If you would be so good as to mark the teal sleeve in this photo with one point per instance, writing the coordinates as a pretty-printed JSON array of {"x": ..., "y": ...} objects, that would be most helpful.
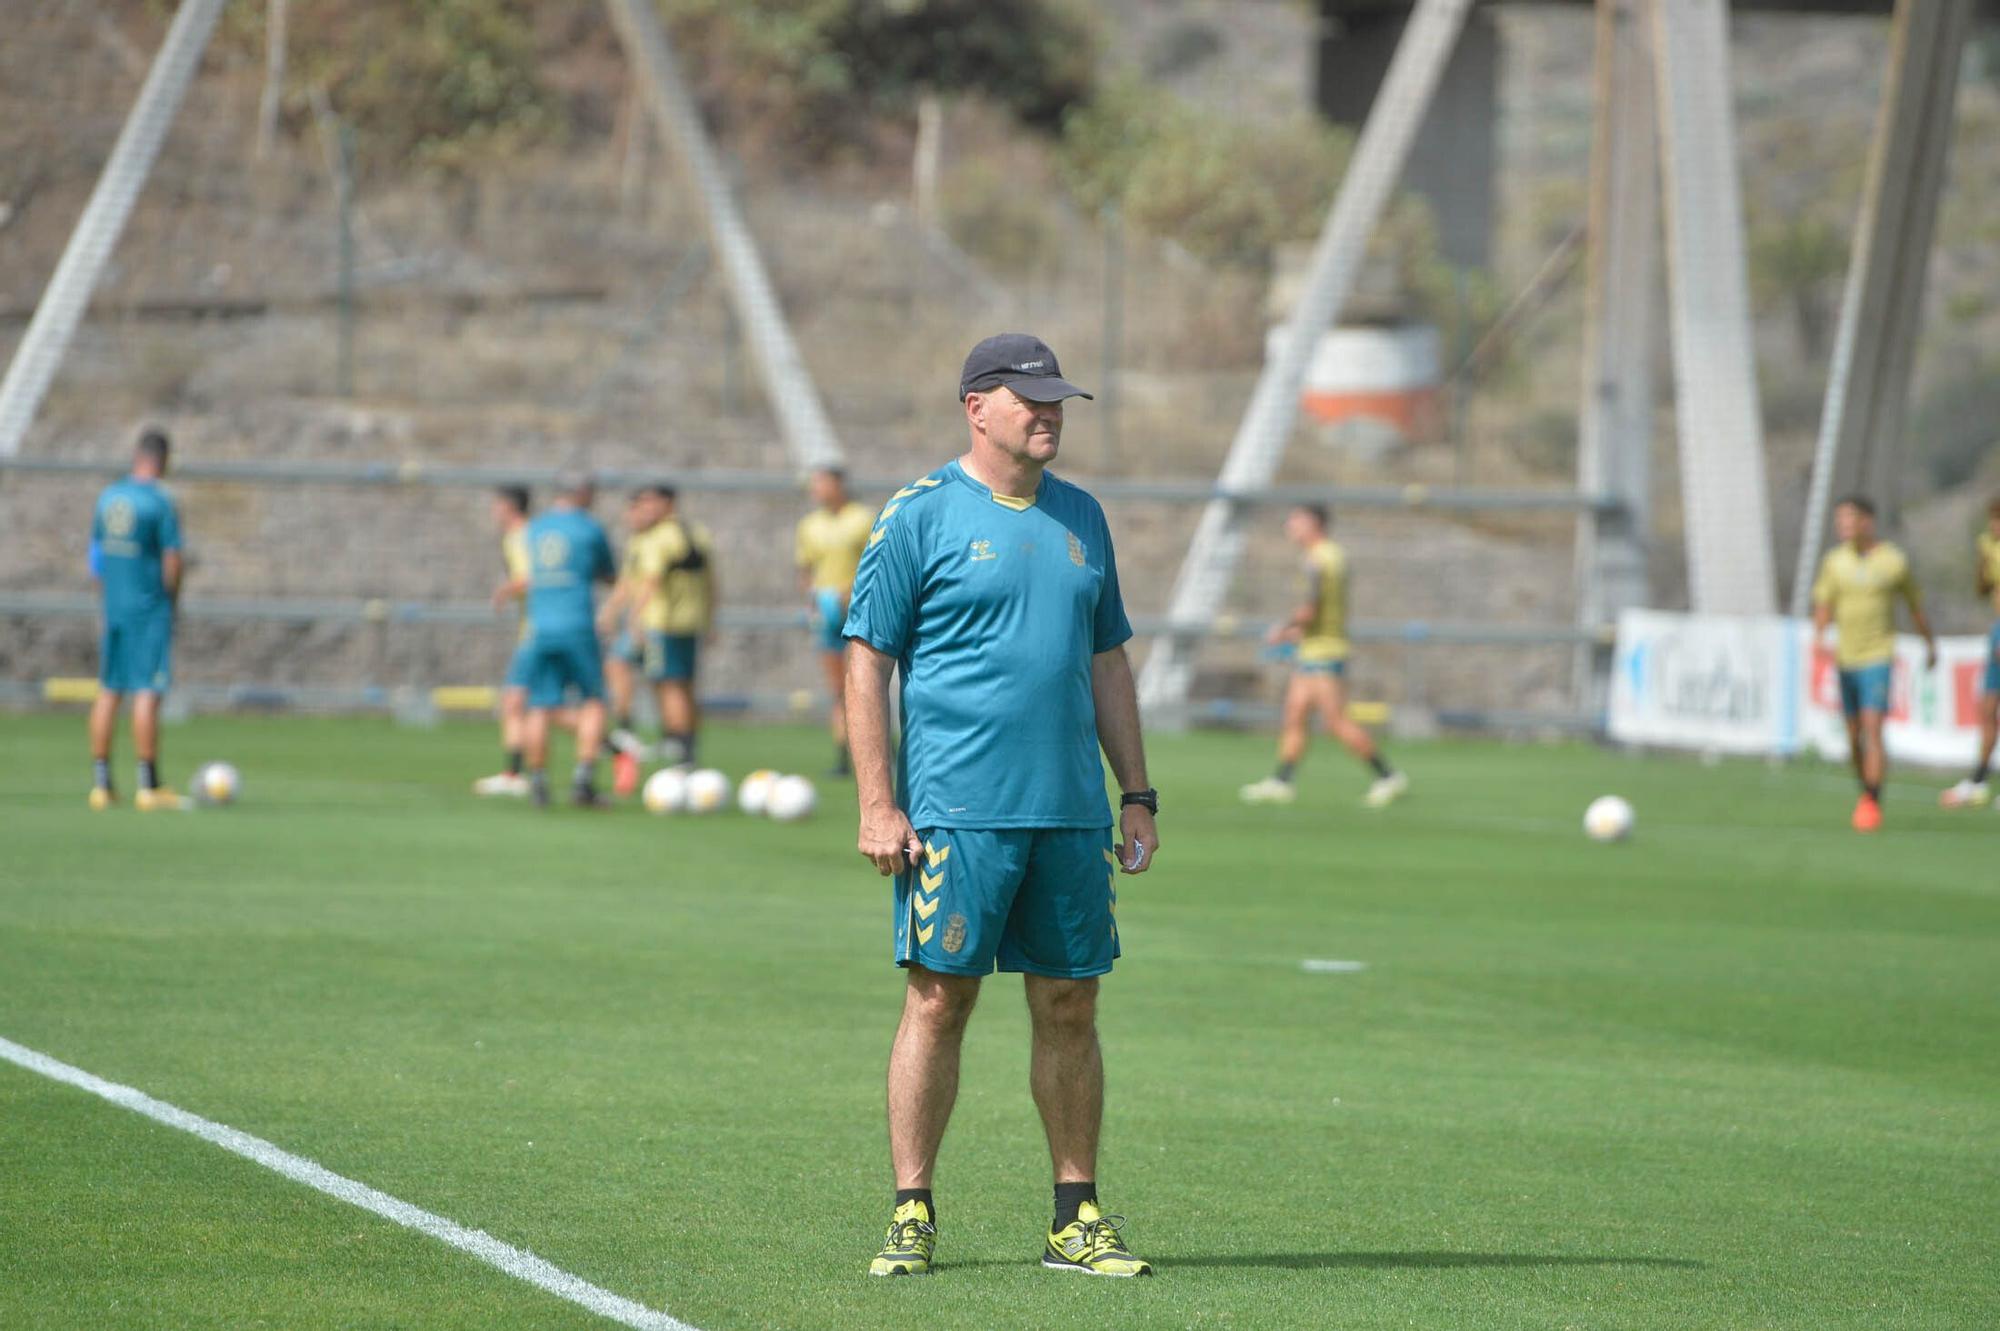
[
  {"x": 1110, "y": 627},
  {"x": 882, "y": 608},
  {"x": 170, "y": 526}
]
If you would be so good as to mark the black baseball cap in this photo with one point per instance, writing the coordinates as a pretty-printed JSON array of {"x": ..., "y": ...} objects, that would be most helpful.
[{"x": 1020, "y": 361}]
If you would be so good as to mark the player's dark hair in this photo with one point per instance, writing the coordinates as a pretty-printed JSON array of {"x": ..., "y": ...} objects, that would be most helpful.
[
  {"x": 1993, "y": 507},
  {"x": 1319, "y": 513},
  {"x": 154, "y": 446},
  {"x": 662, "y": 489},
  {"x": 516, "y": 497},
  {"x": 1859, "y": 503},
  {"x": 839, "y": 474}
]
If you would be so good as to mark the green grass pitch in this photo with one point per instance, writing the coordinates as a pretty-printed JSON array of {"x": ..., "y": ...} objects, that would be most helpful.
[{"x": 1741, "y": 1072}]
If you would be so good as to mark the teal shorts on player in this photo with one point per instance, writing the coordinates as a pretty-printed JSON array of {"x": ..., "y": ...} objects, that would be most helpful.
[
  {"x": 1039, "y": 900},
  {"x": 671, "y": 657},
  {"x": 1338, "y": 669},
  {"x": 520, "y": 666},
  {"x": 627, "y": 648},
  {"x": 1991, "y": 684},
  {"x": 1865, "y": 689},
  {"x": 136, "y": 654},
  {"x": 828, "y": 619},
  {"x": 562, "y": 669}
]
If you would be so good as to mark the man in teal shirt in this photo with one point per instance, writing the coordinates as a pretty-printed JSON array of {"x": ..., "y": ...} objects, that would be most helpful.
[
  {"x": 992, "y": 588},
  {"x": 568, "y": 555},
  {"x": 135, "y": 555}
]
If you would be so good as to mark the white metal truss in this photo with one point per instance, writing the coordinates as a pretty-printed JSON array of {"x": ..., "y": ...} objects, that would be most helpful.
[
  {"x": 62, "y": 305},
  {"x": 1261, "y": 437},
  {"x": 1725, "y": 513},
  {"x": 802, "y": 418}
]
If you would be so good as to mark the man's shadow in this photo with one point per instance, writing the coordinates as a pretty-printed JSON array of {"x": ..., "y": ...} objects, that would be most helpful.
[{"x": 1433, "y": 1260}]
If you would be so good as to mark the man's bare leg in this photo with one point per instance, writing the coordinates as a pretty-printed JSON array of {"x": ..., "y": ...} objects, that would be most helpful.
[
  {"x": 923, "y": 1069},
  {"x": 1066, "y": 1073},
  {"x": 103, "y": 729}
]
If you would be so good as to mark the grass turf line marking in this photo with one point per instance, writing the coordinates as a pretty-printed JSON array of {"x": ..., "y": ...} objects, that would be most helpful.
[
  {"x": 516, "y": 1262},
  {"x": 1327, "y": 966}
]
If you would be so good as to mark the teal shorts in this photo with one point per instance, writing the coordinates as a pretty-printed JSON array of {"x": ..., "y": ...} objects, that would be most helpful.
[
  {"x": 1865, "y": 689},
  {"x": 1039, "y": 900},
  {"x": 519, "y": 667},
  {"x": 136, "y": 654},
  {"x": 828, "y": 619},
  {"x": 626, "y": 648},
  {"x": 671, "y": 656},
  {"x": 1991, "y": 682},
  {"x": 1335, "y": 668},
  {"x": 563, "y": 667}
]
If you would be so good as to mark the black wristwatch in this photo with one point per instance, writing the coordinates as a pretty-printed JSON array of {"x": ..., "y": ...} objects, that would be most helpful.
[{"x": 1148, "y": 799}]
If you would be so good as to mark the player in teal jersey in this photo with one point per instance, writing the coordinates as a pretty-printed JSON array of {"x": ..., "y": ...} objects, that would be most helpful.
[
  {"x": 992, "y": 587},
  {"x": 568, "y": 554},
  {"x": 135, "y": 555}
]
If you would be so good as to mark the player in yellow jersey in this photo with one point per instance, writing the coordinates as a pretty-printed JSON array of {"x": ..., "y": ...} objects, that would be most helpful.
[
  {"x": 626, "y": 657},
  {"x": 667, "y": 602},
  {"x": 510, "y": 516},
  {"x": 1973, "y": 790},
  {"x": 1856, "y": 591},
  {"x": 828, "y": 550},
  {"x": 1316, "y": 634}
]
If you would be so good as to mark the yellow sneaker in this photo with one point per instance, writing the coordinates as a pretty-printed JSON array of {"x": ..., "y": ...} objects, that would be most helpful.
[
  {"x": 907, "y": 1250},
  {"x": 156, "y": 801},
  {"x": 1091, "y": 1244},
  {"x": 101, "y": 798}
]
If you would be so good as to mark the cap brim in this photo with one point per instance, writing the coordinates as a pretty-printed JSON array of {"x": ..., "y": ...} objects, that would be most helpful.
[{"x": 1044, "y": 388}]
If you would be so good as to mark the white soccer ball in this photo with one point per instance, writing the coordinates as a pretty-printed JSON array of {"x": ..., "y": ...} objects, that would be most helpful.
[
  {"x": 665, "y": 791},
  {"x": 1609, "y": 818},
  {"x": 791, "y": 798},
  {"x": 216, "y": 784},
  {"x": 707, "y": 790},
  {"x": 754, "y": 795}
]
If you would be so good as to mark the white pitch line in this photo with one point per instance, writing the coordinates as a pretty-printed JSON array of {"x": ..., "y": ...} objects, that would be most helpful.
[{"x": 516, "y": 1262}]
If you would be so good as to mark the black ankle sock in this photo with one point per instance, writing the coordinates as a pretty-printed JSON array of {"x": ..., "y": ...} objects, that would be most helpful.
[
  {"x": 1979, "y": 773},
  {"x": 100, "y": 773},
  {"x": 1873, "y": 793},
  {"x": 585, "y": 776},
  {"x": 843, "y": 762},
  {"x": 1069, "y": 1197},
  {"x": 149, "y": 775},
  {"x": 1285, "y": 771},
  {"x": 1381, "y": 766},
  {"x": 513, "y": 762},
  {"x": 918, "y": 1195}
]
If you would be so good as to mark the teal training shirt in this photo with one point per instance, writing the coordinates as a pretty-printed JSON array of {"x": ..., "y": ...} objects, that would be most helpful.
[
  {"x": 567, "y": 553},
  {"x": 134, "y": 524},
  {"x": 993, "y": 612}
]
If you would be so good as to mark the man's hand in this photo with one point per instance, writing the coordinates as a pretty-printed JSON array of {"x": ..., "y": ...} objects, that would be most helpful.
[
  {"x": 887, "y": 839},
  {"x": 1142, "y": 838}
]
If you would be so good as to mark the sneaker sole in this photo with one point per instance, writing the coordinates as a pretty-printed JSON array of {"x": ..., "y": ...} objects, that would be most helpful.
[
  {"x": 901, "y": 1272},
  {"x": 1048, "y": 1265}
]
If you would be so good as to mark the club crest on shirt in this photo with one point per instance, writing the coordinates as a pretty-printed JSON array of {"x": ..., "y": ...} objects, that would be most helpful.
[
  {"x": 954, "y": 933},
  {"x": 1075, "y": 550},
  {"x": 551, "y": 550},
  {"x": 119, "y": 518},
  {"x": 983, "y": 550}
]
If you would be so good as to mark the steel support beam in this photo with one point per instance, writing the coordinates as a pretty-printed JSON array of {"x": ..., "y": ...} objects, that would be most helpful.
[
  {"x": 1261, "y": 437},
  {"x": 1615, "y": 425},
  {"x": 1726, "y": 515},
  {"x": 1868, "y": 384},
  {"x": 802, "y": 418},
  {"x": 47, "y": 340}
]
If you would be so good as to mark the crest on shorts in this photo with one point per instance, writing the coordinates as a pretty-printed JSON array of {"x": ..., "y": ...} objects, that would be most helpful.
[
  {"x": 1075, "y": 550},
  {"x": 954, "y": 933}
]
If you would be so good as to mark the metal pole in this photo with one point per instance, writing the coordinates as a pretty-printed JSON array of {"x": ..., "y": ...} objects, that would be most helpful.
[
  {"x": 1868, "y": 383},
  {"x": 801, "y": 416},
  {"x": 1723, "y": 488},
  {"x": 343, "y": 190},
  {"x": 274, "y": 76},
  {"x": 1379, "y": 154},
  {"x": 62, "y": 305},
  {"x": 1113, "y": 223}
]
